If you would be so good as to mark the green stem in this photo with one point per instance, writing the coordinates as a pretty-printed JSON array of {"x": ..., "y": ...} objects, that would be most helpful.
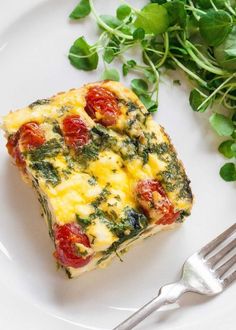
[
  {"x": 155, "y": 73},
  {"x": 213, "y": 5},
  {"x": 203, "y": 65},
  {"x": 198, "y": 52},
  {"x": 225, "y": 94},
  {"x": 194, "y": 10},
  {"x": 201, "y": 93},
  {"x": 107, "y": 27},
  {"x": 154, "y": 51},
  {"x": 189, "y": 72},
  {"x": 166, "y": 45},
  {"x": 229, "y": 96},
  {"x": 83, "y": 56},
  {"x": 208, "y": 67},
  {"x": 216, "y": 91},
  {"x": 230, "y": 9},
  {"x": 227, "y": 105}
]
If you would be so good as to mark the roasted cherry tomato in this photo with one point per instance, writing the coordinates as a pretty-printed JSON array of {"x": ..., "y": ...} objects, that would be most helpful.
[
  {"x": 28, "y": 136},
  {"x": 14, "y": 151},
  {"x": 31, "y": 136},
  {"x": 152, "y": 198},
  {"x": 75, "y": 131},
  {"x": 102, "y": 105},
  {"x": 67, "y": 251}
]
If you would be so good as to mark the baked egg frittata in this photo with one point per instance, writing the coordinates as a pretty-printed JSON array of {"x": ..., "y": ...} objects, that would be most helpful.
[{"x": 105, "y": 173}]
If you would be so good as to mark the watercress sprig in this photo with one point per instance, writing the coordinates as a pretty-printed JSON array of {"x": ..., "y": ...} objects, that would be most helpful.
[{"x": 198, "y": 37}]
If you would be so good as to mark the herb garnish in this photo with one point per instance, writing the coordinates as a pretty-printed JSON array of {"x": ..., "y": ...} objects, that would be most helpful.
[
  {"x": 198, "y": 37},
  {"x": 102, "y": 196},
  {"x": 84, "y": 223},
  {"x": 39, "y": 102},
  {"x": 50, "y": 149},
  {"x": 56, "y": 128},
  {"x": 81, "y": 10},
  {"x": 128, "y": 227},
  {"x": 87, "y": 153},
  {"x": 47, "y": 171},
  {"x": 100, "y": 140},
  {"x": 92, "y": 181}
]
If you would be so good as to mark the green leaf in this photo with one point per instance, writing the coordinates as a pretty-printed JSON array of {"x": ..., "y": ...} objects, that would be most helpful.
[
  {"x": 206, "y": 4},
  {"x": 215, "y": 26},
  {"x": 225, "y": 53},
  {"x": 233, "y": 148},
  {"x": 125, "y": 69},
  {"x": 228, "y": 148},
  {"x": 47, "y": 171},
  {"x": 149, "y": 103},
  {"x": 108, "y": 55},
  {"x": 123, "y": 11},
  {"x": 81, "y": 10},
  {"x": 196, "y": 99},
  {"x": 139, "y": 34},
  {"x": 83, "y": 222},
  {"x": 234, "y": 134},
  {"x": 111, "y": 74},
  {"x": 191, "y": 28},
  {"x": 177, "y": 12},
  {"x": 221, "y": 124},
  {"x": 128, "y": 66},
  {"x": 50, "y": 149},
  {"x": 131, "y": 63},
  {"x": 234, "y": 118},
  {"x": 160, "y": 2},
  {"x": 228, "y": 172},
  {"x": 82, "y": 56},
  {"x": 114, "y": 44},
  {"x": 139, "y": 86},
  {"x": 111, "y": 21},
  {"x": 150, "y": 76},
  {"x": 153, "y": 18}
]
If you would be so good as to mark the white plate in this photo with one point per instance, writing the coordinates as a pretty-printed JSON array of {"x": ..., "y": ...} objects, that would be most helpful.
[{"x": 34, "y": 41}]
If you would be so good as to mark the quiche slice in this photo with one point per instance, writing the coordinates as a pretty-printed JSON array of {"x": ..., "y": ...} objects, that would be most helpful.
[{"x": 105, "y": 173}]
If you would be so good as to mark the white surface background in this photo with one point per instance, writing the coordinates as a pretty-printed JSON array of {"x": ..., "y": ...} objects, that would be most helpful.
[{"x": 34, "y": 41}]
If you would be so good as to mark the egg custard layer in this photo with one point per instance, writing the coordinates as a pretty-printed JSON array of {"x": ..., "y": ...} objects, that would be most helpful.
[{"x": 105, "y": 173}]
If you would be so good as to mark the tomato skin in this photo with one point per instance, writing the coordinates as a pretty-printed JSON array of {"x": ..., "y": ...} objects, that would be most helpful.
[
  {"x": 169, "y": 218},
  {"x": 66, "y": 236},
  {"x": 14, "y": 150},
  {"x": 152, "y": 198},
  {"x": 31, "y": 136},
  {"x": 102, "y": 106},
  {"x": 28, "y": 136},
  {"x": 75, "y": 131}
]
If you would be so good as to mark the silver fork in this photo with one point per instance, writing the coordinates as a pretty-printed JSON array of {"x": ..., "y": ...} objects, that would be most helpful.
[{"x": 200, "y": 275}]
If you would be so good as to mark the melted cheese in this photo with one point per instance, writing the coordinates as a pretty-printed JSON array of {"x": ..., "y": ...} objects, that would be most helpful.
[
  {"x": 100, "y": 236},
  {"x": 71, "y": 197}
]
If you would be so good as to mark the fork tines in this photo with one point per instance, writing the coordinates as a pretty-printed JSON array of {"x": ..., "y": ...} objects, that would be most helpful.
[
  {"x": 219, "y": 255},
  {"x": 217, "y": 241}
]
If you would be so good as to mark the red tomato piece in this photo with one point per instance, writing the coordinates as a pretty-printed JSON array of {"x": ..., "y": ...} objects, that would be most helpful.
[
  {"x": 31, "y": 136},
  {"x": 12, "y": 143},
  {"x": 28, "y": 136},
  {"x": 152, "y": 198},
  {"x": 67, "y": 253},
  {"x": 75, "y": 131},
  {"x": 102, "y": 105},
  {"x": 14, "y": 151},
  {"x": 169, "y": 218}
]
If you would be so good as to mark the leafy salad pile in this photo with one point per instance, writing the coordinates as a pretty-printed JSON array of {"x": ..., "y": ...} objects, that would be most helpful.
[{"x": 196, "y": 36}]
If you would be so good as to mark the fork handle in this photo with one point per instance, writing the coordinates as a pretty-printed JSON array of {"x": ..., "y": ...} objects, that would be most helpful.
[{"x": 168, "y": 294}]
